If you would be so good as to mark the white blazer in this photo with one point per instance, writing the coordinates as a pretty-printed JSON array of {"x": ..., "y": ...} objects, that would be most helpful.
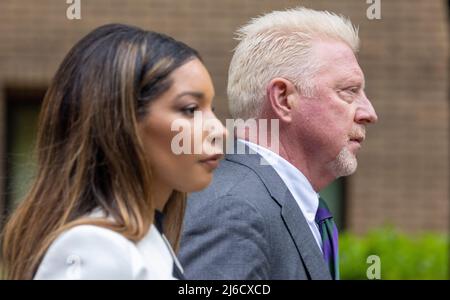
[{"x": 93, "y": 252}]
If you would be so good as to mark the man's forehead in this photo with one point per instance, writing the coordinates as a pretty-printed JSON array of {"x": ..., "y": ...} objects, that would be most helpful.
[
  {"x": 332, "y": 50},
  {"x": 352, "y": 75},
  {"x": 337, "y": 58}
]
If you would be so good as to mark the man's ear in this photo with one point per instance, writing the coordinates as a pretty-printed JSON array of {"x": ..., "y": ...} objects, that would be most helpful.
[{"x": 283, "y": 98}]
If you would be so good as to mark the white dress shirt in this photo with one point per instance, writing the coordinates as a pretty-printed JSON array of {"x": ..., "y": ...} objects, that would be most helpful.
[
  {"x": 93, "y": 252},
  {"x": 299, "y": 186}
]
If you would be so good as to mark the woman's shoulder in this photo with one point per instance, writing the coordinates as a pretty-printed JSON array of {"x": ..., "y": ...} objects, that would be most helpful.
[
  {"x": 89, "y": 252},
  {"x": 93, "y": 235}
]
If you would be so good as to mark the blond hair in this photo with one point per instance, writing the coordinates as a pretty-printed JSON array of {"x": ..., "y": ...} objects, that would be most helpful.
[{"x": 279, "y": 44}]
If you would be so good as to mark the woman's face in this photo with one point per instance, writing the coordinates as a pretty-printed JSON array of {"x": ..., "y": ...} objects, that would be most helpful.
[{"x": 182, "y": 152}]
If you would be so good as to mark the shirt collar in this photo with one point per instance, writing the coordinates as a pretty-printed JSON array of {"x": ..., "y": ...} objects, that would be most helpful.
[{"x": 299, "y": 186}]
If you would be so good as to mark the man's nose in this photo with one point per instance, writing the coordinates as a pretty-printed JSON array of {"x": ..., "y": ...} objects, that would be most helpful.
[{"x": 365, "y": 113}]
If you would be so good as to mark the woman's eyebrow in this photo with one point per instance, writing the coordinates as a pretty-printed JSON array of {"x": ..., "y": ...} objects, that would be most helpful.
[{"x": 198, "y": 95}]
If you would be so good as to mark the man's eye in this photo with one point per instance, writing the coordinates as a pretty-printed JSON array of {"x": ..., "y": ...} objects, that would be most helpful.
[
  {"x": 354, "y": 90},
  {"x": 349, "y": 91},
  {"x": 189, "y": 110},
  {"x": 348, "y": 94}
]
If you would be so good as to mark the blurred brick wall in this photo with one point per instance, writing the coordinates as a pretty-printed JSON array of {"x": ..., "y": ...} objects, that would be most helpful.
[
  {"x": 2, "y": 156},
  {"x": 403, "y": 176}
]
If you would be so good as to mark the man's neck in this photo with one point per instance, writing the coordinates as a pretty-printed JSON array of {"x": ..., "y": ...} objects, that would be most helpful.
[{"x": 317, "y": 176}]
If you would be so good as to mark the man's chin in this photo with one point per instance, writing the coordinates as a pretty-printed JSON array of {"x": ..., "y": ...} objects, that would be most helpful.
[{"x": 344, "y": 164}]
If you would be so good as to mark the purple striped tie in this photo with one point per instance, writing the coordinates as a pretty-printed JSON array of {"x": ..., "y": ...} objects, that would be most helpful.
[{"x": 329, "y": 233}]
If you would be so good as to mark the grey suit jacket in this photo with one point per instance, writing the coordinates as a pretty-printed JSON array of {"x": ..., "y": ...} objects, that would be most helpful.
[{"x": 247, "y": 225}]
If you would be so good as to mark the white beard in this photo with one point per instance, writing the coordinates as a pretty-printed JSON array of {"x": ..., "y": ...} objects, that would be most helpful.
[{"x": 344, "y": 164}]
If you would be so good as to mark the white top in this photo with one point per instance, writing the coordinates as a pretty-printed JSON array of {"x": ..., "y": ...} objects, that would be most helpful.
[
  {"x": 93, "y": 252},
  {"x": 299, "y": 186}
]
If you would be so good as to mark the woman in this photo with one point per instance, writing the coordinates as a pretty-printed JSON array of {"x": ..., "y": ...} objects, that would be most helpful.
[{"x": 107, "y": 174}]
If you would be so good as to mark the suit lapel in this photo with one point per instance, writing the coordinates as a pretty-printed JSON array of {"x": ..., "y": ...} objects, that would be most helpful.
[
  {"x": 295, "y": 222},
  {"x": 304, "y": 240}
]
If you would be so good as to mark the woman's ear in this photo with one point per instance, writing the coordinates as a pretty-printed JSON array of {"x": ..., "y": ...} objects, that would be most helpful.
[{"x": 283, "y": 98}]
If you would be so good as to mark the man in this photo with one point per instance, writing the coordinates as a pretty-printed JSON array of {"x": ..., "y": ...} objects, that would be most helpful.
[{"x": 266, "y": 221}]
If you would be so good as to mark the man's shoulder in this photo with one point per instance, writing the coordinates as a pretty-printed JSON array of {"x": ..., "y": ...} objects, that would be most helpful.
[{"x": 232, "y": 179}]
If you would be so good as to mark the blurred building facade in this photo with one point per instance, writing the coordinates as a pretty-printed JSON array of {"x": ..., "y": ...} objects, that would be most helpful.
[{"x": 403, "y": 174}]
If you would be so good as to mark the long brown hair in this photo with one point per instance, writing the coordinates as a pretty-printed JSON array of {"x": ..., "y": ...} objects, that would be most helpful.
[{"x": 89, "y": 154}]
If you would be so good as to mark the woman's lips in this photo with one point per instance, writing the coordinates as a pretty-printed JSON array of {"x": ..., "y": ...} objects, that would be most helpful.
[{"x": 212, "y": 161}]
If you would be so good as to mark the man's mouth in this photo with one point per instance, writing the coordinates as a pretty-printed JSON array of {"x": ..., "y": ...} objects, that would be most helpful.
[{"x": 357, "y": 139}]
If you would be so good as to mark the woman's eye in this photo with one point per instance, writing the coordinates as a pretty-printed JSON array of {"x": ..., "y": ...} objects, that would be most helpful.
[{"x": 189, "y": 110}]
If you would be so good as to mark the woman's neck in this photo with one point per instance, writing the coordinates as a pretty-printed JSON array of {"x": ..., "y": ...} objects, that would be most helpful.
[{"x": 161, "y": 195}]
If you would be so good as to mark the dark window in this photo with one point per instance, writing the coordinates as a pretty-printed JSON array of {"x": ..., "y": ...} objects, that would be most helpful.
[{"x": 22, "y": 110}]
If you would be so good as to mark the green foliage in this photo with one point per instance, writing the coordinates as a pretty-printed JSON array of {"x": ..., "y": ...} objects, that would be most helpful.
[{"x": 402, "y": 256}]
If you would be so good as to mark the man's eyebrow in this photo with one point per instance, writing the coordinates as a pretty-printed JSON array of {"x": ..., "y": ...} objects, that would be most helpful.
[{"x": 356, "y": 80}]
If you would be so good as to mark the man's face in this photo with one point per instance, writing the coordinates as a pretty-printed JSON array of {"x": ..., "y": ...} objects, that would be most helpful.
[{"x": 334, "y": 118}]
